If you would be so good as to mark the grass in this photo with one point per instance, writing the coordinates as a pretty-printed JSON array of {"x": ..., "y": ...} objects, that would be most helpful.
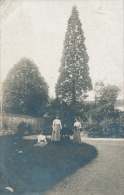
[{"x": 38, "y": 168}]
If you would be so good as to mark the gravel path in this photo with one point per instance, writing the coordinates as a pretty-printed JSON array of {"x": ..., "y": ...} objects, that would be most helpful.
[{"x": 103, "y": 176}]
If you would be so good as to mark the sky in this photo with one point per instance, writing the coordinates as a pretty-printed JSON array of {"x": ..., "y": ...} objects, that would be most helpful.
[{"x": 36, "y": 29}]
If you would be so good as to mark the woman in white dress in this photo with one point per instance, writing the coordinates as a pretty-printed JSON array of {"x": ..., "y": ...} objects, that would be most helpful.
[
  {"x": 76, "y": 135},
  {"x": 57, "y": 126}
]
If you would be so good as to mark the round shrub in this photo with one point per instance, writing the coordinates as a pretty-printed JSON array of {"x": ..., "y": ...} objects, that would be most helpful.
[
  {"x": 93, "y": 129},
  {"x": 24, "y": 128}
]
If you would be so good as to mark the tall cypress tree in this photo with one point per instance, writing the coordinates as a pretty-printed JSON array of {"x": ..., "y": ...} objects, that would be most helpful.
[{"x": 74, "y": 80}]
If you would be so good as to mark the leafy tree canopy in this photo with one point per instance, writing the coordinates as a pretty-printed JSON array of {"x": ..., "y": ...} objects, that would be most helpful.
[
  {"x": 24, "y": 90},
  {"x": 106, "y": 94}
]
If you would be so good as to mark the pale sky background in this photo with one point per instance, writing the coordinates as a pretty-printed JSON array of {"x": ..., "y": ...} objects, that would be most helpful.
[{"x": 36, "y": 29}]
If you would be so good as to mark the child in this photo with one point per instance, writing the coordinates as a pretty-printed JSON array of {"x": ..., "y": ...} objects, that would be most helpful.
[{"x": 41, "y": 138}]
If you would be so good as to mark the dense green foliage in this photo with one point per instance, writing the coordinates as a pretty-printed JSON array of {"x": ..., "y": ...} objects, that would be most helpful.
[
  {"x": 106, "y": 122},
  {"x": 106, "y": 94},
  {"x": 74, "y": 80},
  {"x": 67, "y": 114},
  {"x": 109, "y": 94},
  {"x": 23, "y": 128},
  {"x": 24, "y": 90}
]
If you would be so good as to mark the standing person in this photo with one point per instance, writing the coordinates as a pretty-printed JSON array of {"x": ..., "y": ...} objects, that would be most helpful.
[
  {"x": 76, "y": 134},
  {"x": 57, "y": 126}
]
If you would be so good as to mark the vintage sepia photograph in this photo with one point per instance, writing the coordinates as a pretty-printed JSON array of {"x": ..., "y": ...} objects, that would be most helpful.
[{"x": 61, "y": 97}]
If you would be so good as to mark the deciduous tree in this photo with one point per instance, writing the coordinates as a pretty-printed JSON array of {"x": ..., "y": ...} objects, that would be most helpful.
[
  {"x": 24, "y": 90},
  {"x": 106, "y": 94}
]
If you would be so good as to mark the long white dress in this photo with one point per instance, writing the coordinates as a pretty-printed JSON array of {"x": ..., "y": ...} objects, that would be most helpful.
[
  {"x": 57, "y": 126},
  {"x": 76, "y": 135}
]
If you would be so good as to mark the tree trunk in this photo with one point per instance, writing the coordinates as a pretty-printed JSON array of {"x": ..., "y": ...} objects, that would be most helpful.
[{"x": 73, "y": 91}]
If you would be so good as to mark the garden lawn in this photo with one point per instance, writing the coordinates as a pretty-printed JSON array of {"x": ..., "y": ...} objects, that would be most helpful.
[
  {"x": 103, "y": 176},
  {"x": 28, "y": 168}
]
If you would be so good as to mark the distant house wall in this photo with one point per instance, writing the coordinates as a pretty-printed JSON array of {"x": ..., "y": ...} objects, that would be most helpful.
[{"x": 11, "y": 121}]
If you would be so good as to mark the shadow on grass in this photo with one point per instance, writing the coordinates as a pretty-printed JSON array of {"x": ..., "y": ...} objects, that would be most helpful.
[{"x": 37, "y": 168}]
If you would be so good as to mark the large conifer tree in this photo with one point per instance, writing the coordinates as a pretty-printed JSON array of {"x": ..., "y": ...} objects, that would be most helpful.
[{"x": 74, "y": 80}]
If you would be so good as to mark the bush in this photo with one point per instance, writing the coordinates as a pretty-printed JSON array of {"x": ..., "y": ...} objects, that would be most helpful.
[
  {"x": 105, "y": 112},
  {"x": 67, "y": 113},
  {"x": 24, "y": 128},
  {"x": 93, "y": 129},
  {"x": 109, "y": 127},
  {"x": 105, "y": 120}
]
